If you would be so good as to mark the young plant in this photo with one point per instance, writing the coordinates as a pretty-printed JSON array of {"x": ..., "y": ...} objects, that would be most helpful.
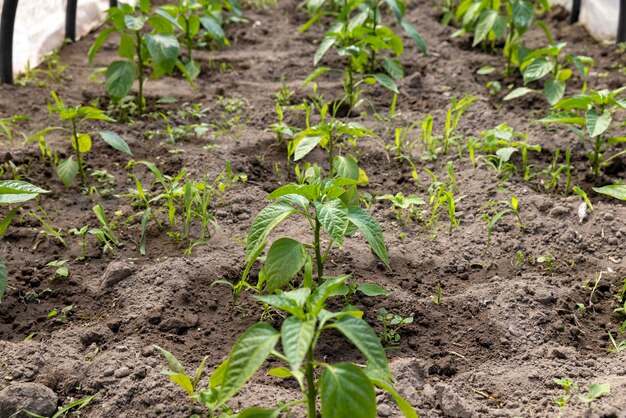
[
  {"x": 392, "y": 324},
  {"x": 495, "y": 210},
  {"x": 595, "y": 391},
  {"x": 75, "y": 117},
  {"x": 567, "y": 385},
  {"x": 8, "y": 125},
  {"x": 407, "y": 207},
  {"x": 139, "y": 51},
  {"x": 594, "y": 112},
  {"x": 329, "y": 206},
  {"x": 14, "y": 192},
  {"x": 105, "y": 235},
  {"x": 342, "y": 389}
]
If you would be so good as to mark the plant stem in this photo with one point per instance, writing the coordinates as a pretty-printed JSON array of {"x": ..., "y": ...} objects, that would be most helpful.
[
  {"x": 140, "y": 78},
  {"x": 79, "y": 158},
  {"x": 331, "y": 166},
  {"x": 595, "y": 161},
  {"x": 372, "y": 50},
  {"x": 350, "y": 86},
  {"x": 318, "y": 251},
  {"x": 310, "y": 383}
]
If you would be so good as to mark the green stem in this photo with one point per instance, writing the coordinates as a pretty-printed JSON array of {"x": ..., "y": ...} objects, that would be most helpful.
[
  {"x": 79, "y": 157},
  {"x": 318, "y": 251},
  {"x": 350, "y": 86},
  {"x": 331, "y": 166},
  {"x": 596, "y": 156},
  {"x": 372, "y": 50},
  {"x": 310, "y": 382},
  {"x": 140, "y": 77}
]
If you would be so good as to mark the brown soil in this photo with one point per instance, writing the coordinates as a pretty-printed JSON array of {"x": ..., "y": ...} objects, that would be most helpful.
[{"x": 491, "y": 348}]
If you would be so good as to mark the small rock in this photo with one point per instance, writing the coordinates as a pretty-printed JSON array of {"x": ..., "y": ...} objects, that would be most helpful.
[
  {"x": 115, "y": 273},
  {"x": 559, "y": 212},
  {"x": 33, "y": 397},
  {"x": 122, "y": 372},
  {"x": 608, "y": 217},
  {"x": 451, "y": 404},
  {"x": 178, "y": 325},
  {"x": 384, "y": 410}
]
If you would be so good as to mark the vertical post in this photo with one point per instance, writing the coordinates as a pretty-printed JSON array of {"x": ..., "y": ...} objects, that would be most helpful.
[
  {"x": 7, "y": 24},
  {"x": 575, "y": 11},
  {"x": 112, "y": 3},
  {"x": 621, "y": 25},
  {"x": 70, "y": 20}
]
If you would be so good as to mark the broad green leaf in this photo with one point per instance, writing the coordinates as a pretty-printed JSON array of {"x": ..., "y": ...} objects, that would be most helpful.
[
  {"x": 345, "y": 391},
  {"x": 213, "y": 27},
  {"x": 597, "y": 124},
  {"x": 282, "y": 302},
  {"x": 115, "y": 141},
  {"x": 371, "y": 230},
  {"x": 306, "y": 145},
  {"x": 263, "y": 223},
  {"x": 67, "y": 171},
  {"x": 217, "y": 377},
  {"x": 393, "y": 68},
  {"x": 4, "y": 278},
  {"x": 325, "y": 45},
  {"x": 386, "y": 81},
  {"x": 120, "y": 76},
  {"x": 485, "y": 70},
  {"x": 365, "y": 339},
  {"x": 484, "y": 26},
  {"x": 16, "y": 191},
  {"x": 346, "y": 167},
  {"x": 259, "y": 413},
  {"x": 163, "y": 50},
  {"x": 504, "y": 154},
  {"x": 617, "y": 191},
  {"x": 248, "y": 355},
  {"x": 100, "y": 40},
  {"x": 333, "y": 215},
  {"x": 554, "y": 91},
  {"x": 537, "y": 69},
  {"x": 84, "y": 143},
  {"x": 296, "y": 337},
  {"x": 324, "y": 291},
  {"x": 412, "y": 31},
  {"x": 193, "y": 68},
  {"x": 281, "y": 372},
  {"x": 372, "y": 289},
  {"x": 127, "y": 47},
  {"x": 134, "y": 23},
  {"x": 518, "y": 92},
  {"x": 522, "y": 14},
  {"x": 285, "y": 259},
  {"x": 598, "y": 390}
]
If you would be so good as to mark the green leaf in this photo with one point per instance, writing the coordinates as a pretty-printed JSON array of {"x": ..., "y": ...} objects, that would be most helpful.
[
  {"x": 371, "y": 230},
  {"x": 397, "y": 7},
  {"x": 385, "y": 384},
  {"x": 325, "y": 45},
  {"x": 315, "y": 74},
  {"x": 346, "y": 167},
  {"x": 566, "y": 118},
  {"x": 163, "y": 50},
  {"x": 263, "y": 223},
  {"x": 127, "y": 47},
  {"x": 4, "y": 278},
  {"x": 193, "y": 68},
  {"x": 537, "y": 69},
  {"x": 412, "y": 31},
  {"x": 6, "y": 221},
  {"x": 285, "y": 259},
  {"x": 296, "y": 337},
  {"x": 365, "y": 339},
  {"x": 554, "y": 91},
  {"x": 485, "y": 70},
  {"x": 84, "y": 143},
  {"x": 120, "y": 76},
  {"x": 597, "y": 124},
  {"x": 247, "y": 356},
  {"x": 324, "y": 291},
  {"x": 393, "y": 68},
  {"x": 386, "y": 81},
  {"x": 522, "y": 14},
  {"x": 259, "y": 413},
  {"x": 306, "y": 145},
  {"x": 484, "y": 26},
  {"x": 345, "y": 391},
  {"x": 16, "y": 191},
  {"x": 134, "y": 23},
  {"x": 213, "y": 27},
  {"x": 617, "y": 191},
  {"x": 100, "y": 40},
  {"x": 517, "y": 92},
  {"x": 333, "y": 215},
  {"x": 67, "y": 171},
  {"x": 372, "y": 289},
  {"x": 172, "y": 361},
  {"x": 115, "y": 141},
  {"x": 598, "y": 390}
]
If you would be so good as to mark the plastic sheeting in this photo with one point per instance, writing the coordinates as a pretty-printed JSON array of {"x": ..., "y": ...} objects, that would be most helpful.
[
  {"x": 40, "y": 27},
  {"x": 600, "y": 17}
]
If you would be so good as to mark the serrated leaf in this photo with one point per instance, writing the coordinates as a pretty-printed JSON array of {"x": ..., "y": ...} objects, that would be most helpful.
[
  {"x": 333, "y": 215},
  {"x": 296, "y": 337},
  {"x": 119, "y": 79},
  {"x": 371, "y": 230},
  {"x": 247, "y": 356},
  {"x": 67, "y": 171},
  {"x": 345, "y": 391},
  {"x": 285, "y": 259},
  {"x": 617, "y": 191},
  {"x": 386, "y": 81},
  {"x": 263, "y": 223},
  {"x": 517, "y": 92},
  {"x": 115, "y": 141},
  {"x": 17, "y": 191},
  {"x": 597, "y": 124},
  {"x": 365, "y": 339}
]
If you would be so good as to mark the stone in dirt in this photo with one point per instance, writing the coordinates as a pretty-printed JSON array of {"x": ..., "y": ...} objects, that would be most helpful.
[
  {"x": 451, "y": 404},
  {"x": 115, "y": 273},
  {"x": 32, "y": 397}
]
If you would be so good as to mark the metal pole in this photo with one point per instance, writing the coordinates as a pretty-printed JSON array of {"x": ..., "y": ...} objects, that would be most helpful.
[
  {"x": 70, "y": 20},
  {"x": 7, "y": 24},
  {"x": 112, "y": 3},
  {"x": 575, "y": 11},
  {"x": 621, "y": 26}
]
